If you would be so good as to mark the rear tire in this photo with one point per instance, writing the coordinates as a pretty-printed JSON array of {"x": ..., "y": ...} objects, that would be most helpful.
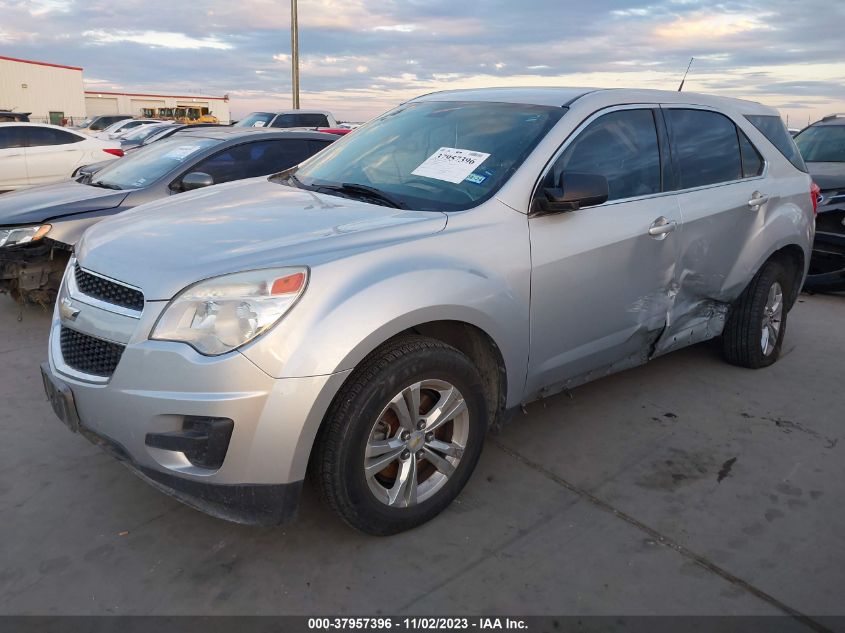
[
  {"x": 756, "y": 324},
  {"x": 402, "y": 436}
]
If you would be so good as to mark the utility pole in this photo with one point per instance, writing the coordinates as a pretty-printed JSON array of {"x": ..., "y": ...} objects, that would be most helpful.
[{"x": 294, "y": 54}]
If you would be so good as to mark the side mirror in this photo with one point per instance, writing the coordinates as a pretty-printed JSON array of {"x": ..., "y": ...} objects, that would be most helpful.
[
  {"x": 196, "y": 180},
  {"x": 574, "y": 191}
]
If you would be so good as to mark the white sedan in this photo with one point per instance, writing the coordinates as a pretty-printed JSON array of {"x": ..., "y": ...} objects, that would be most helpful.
[{"x": 36, "y": 153}]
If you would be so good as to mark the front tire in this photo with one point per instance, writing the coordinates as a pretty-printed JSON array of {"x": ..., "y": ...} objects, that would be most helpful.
[
  {"x": 402, "y": 436},
  {"x": 756, "y": 325}
]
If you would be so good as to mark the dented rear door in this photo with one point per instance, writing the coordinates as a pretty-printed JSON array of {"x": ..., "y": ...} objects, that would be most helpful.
[{"x": 718, "y": 173}]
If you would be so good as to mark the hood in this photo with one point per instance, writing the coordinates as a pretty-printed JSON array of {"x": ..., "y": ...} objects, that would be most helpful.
[
  {"x": 38, "y": 204},
  {"x": 828, "y": 175},
  {"x": 166, "y": 245}
]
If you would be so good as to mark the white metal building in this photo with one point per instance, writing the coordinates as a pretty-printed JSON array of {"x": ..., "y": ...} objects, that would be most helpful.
[
  {"x": 51, "y": 92},
  {"x": 133, "y": 104}
]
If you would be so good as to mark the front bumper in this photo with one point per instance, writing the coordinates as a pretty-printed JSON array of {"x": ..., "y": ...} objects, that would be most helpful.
[{"x": 158, "y": 385}]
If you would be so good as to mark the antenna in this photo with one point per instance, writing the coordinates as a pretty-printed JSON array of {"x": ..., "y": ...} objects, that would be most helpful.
[{"x": 681, "y": 87}]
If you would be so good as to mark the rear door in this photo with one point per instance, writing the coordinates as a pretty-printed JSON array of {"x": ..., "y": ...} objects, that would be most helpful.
[
  {"x": 602, "y": 277},
  {"x": 719, "y": 173},
  {"x": 12, "y": 157},
  {"x": 51, "y": 154}
]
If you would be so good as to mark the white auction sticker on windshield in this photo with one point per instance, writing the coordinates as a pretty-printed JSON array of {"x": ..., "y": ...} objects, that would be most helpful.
[
  {"x": 450, "y": 164},
  {"x": 181, "y": 152}
]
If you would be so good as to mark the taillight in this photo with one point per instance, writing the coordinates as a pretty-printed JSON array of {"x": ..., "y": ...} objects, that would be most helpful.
[
  {"x": 815, "y": 191},
  {"x": 114, "y": 152}
]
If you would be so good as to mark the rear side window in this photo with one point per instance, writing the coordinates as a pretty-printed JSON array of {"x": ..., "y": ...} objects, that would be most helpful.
[
  {"x": 622, "y": 147},
  {"x": 772, "y": 128},
  {"x": 752, "y": 162},
  {"x": 41, "y": 136},
  {"x": 261, "y": 158},
  {"x": 11, "y": 136},
  {"x": 705, "y": 147}
]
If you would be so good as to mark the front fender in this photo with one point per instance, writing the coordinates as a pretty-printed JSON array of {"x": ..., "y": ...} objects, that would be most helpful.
[{"x": 354, "y": 304}]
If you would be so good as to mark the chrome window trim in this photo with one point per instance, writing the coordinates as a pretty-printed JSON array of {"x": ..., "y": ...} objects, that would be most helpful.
[{"x": 643, "y": 106}]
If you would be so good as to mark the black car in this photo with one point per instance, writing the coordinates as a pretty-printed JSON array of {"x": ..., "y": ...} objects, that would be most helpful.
[
  {"x": 822, "y": 145},
  {"x": 40, "y": 225},
  {"x": 6, "y": 116}
]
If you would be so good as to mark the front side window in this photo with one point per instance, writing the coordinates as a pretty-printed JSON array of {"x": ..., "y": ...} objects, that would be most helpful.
[
  {"x": 433, "y": 155},
  {"x": 621, "y": 146},
  {"x": 150, "y": 163},
  {"x": 822, "y": 144},
  {"x": 40, "y": 136},
  {"x": 705, "y": 147}
]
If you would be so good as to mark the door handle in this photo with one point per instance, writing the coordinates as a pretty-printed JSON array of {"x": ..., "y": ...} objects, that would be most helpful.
[
  {"x": 661, "y": 227},
  {"x": 757, "y": 199}
]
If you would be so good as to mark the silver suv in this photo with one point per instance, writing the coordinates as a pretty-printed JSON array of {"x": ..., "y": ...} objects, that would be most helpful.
[{"x": 366, "y": 316}]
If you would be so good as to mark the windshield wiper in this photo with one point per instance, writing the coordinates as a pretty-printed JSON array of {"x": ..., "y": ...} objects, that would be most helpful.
[
  {"x": 365, "y": 191},
  {"x": 105, "y": 185}
]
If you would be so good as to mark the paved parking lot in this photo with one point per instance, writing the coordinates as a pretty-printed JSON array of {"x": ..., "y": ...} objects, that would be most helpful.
[{"x": 686, "y": 486}]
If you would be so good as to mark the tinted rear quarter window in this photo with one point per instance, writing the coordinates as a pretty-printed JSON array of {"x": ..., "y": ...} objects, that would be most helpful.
[
  {"x": 41, "y": 136},
  {"x": 773, "y": 128},
  {"x": 752, "y": 162}
]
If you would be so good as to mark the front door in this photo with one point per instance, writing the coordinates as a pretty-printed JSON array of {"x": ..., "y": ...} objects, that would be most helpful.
[{"x": 603, "y": 277}]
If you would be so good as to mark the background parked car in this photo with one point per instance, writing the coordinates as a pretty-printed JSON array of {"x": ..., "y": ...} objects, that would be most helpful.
[
  {"x": 39, "y": 153},
  {"x": 99, "y": 123},
  {"x": 144, "y": 138},
  {"x": 7, "y": 117},
  {"x": 136, "y": 136},
  {"x": 118, "y": 129},
  {"x": 309, "y": 119},
  {"x": 823, "y": 147},
  {"x": 43, "y": 223}
]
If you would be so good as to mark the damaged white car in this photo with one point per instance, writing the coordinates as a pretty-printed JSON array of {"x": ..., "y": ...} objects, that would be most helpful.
[{"x": 367, "y": 315}]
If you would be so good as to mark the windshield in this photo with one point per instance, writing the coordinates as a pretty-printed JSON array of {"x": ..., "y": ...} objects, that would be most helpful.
[
  {"x": 433, "y": 156},
  {"x": 256, "y": 119},
  {"x": 822, "y": 144},
  {"x": 85, "y": 123},
  {"x": 143, "y": 131},
  {"x": 150, "y": 163}
]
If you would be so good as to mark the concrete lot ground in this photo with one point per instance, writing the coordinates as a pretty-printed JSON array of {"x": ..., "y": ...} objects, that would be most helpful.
[{"x": 683, "y": 487}]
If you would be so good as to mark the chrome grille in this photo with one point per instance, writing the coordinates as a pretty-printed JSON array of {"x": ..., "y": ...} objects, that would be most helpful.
[
  {"x": 89, "y": 354},
  {"x": 108, "y": 291}
]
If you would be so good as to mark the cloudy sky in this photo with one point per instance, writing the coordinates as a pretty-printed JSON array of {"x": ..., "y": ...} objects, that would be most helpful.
[{"x": 361, "y": 57}]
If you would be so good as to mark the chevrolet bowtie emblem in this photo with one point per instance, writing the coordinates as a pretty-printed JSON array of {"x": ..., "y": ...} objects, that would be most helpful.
[{"x": 67, "y": 311}]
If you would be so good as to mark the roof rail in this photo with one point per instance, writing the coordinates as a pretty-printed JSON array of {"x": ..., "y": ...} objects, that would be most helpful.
[{"x": 835, "y": 115}]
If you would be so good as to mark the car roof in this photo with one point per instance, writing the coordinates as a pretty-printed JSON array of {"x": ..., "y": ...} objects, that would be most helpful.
[
  {"x": 831, "y": 119},
  {"x": 601, "y": 97},
  {"x": 278, "y": 112},
  {"x": 32, "y": 124},
  {"x": 234, "y": 133}
]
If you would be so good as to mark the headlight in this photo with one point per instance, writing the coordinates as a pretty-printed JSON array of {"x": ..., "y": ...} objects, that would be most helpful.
[
  {"x": 22, "y": 234},
  {"x": 218, "y": 315}
]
